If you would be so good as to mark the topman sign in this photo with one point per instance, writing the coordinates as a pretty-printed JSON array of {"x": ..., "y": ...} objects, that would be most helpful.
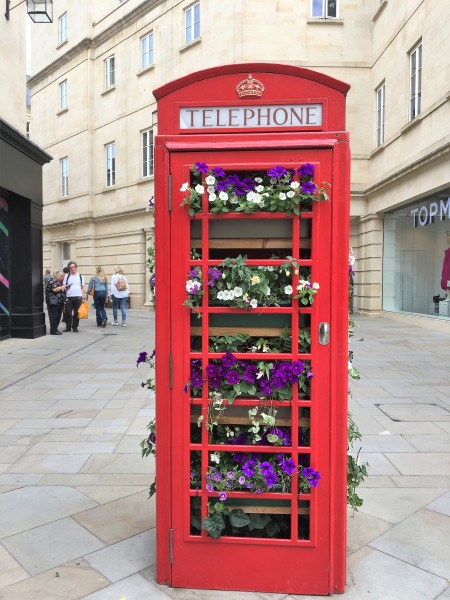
[{"x": 259, "y": 116}]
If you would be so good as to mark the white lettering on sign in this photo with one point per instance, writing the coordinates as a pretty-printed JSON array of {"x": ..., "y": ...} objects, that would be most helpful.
[
  {"x": 274, "y": 115},
  {"x": 427, "y": 213}
]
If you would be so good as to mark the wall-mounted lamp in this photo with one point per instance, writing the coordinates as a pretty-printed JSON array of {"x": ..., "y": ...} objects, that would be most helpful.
[{"x": 39, "y": 11}]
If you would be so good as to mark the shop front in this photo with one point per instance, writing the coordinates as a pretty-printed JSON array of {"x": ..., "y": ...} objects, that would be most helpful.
[{"x": 416, "y": 257}]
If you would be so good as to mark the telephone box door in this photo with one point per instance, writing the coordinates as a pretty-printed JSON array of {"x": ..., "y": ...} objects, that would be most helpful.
[{"x": 282, "y": 537}]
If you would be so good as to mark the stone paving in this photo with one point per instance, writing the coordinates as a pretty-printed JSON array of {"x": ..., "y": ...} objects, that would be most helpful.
[{"x": 75, "y": 518}]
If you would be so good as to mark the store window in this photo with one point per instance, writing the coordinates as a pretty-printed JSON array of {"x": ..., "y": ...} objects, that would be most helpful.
[
  {"x": 192, "y": 23},
  {"x": 324, "y": 9},
  {"x": 146, "y": 50},
  {"x": 416, "y": 257}
]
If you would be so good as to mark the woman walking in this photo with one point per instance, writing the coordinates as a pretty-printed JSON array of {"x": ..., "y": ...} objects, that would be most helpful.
[
  {"x": 54, "y": 296},
  {"x": 99, "y": 285},
  {"x": 119, "y": 294}
]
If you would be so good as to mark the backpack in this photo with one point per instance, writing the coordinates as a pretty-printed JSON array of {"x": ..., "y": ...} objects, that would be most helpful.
[{"x": 121, "y": 284}]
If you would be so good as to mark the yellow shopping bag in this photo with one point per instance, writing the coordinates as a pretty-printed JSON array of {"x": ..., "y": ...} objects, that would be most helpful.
[{"x": 83, "y": 311}]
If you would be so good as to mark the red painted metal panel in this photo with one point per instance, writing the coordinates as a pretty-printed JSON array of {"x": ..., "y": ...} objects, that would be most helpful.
[{"x": 187, "y": 557}]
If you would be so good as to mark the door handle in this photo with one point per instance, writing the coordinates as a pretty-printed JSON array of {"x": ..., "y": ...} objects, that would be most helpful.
[{"x": 324, "y": 333}]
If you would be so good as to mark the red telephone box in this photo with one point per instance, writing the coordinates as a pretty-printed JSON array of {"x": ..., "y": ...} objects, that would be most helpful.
[{"x": 252, "y": 329}]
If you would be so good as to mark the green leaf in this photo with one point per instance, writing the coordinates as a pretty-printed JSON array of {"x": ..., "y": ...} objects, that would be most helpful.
[
  {"x": 238, "y": 518},
  {"x": 214, "y": 525},
  {"x": 272, "y": 528},
  {"x": 255, "y": 521}
]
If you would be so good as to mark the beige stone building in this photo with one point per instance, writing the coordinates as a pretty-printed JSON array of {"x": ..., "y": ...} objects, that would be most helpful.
[{"x": 93, "y": 72}]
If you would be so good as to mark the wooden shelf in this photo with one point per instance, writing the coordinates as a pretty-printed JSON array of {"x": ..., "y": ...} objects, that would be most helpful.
[{"x": 250, "y": 243}]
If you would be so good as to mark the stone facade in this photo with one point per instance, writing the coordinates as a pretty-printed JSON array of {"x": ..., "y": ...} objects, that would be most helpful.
[{"x": 366, "y": 46}]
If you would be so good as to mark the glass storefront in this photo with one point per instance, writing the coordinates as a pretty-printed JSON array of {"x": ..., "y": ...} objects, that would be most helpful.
[
  {"x": 416, "y": 257},
  {"x": 4, "y": 269}
]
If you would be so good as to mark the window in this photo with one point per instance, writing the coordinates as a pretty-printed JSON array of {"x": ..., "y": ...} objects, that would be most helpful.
[
  {"x": 65, "y": 252},
  {"x": 63, "y": 94},
  {"x": 192, "y": 22},
  {"x": 64, "y": 176},
  {"x": 147, "y": 153},
  {"x": 325, "y": 9},
  {"x": 415, "y": 81},
  {"x": 110, "y": 73},
  {"x": 62, "y": 29},
  {"x": 380, "y": 114},
  {"x": 110, "y": 164},
  {"x": 146, "y": 50}
]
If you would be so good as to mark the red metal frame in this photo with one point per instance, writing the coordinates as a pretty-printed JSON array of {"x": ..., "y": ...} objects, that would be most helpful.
[{"x": 235, "y": 563}]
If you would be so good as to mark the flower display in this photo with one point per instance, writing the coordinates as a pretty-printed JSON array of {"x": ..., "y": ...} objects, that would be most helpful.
[
  {"x": 278, "y": 189},
  {"x": 236, "y": 284},
  {"x": 264, "y": 379}
]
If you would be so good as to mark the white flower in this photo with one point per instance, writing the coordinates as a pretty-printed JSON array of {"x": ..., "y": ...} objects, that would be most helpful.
[
  {"x": 350, "y": 366},
  {"x": 295, "y": 185},
  {"x": 199, "y": 189},
  {"x": 259, "y": 374},
  {"x": 255, "y": 279},
  {"x": 273, "y": 180},
  {"x": 250, "y": 196},
  {"x": 220, "y": 295},
  {"x": 288, "y": 289},
  {"x": 190, "y": 284},
  {"x": 265, "y": 348},
  {"x": 287, "y": 273},
  {"x": 210, "y": 180},
  {"x": 227, "y": 295},
  {"x": 290, "y": 194},
  {"x": 258, "y": 180},
  {"x": 351, "y": 259},
  {"x": 237, "y": 291},
  {"x": 302, "y": 284},
  {"x": 184, "y": 187},
  {"x": 223, "y": 196},
  {"x": 212, "y": 197},
  {"x": 259, "y": 188},
  {"x": 253, "y": 303},
  {"x": 257, "y": 198},
  {"x": 210, "y": 189},
  {"x": 282, "y": 196},
  {"x": 268, "y": 291},
  {"x": 214, "y": 457},
  {"x": 270, "y": 269},
  {"x": 316, "y": 286}
]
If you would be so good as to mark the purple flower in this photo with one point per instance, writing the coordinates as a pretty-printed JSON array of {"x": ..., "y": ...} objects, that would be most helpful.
[
  {"x": 265, "y": 468},
  {"x": 217, "y": 477},
  {"x": 218, "y": 172},
  {"x": 308, "y": 187},
  {"x": 270, "y": 479},
  {"x": 209, "y": 487},
  {"x": 306, "y": 170},
  {"x": 201, "y": 167},
  {"x": 232, "y": 377},
  {"x": 288, "y": 466},
  {"x": 249, "y": 485},
  {"x": 230, "y": 474},
  {"x": 228, "y": 359},
  {"x": 222, "y": 496},
  {"x": 248, "y": 469},
  {"x": 141, "y": 358},
  {"x": 214, "y": 275},
  {"x": 194, "y": 289},
  {"x": 298, "y": 367},
  {"x": 276, "y": 172},
  {"x": 193, "y": 273},
  {"x": 312, "y": 476},
  {"x": 309, "y": 374},
  {"x": 250, "y": 373},
  {"x": 242, "y": 480}
]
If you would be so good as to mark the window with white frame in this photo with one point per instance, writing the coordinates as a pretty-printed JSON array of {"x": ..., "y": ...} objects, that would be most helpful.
[
  {"x": 192, "y": 23},
  {"x": 147, "y": 153},
  {"x": 147, "y": 50},
  {"x": 62, "y": 28},
  {"x": 63, "y": 94},
  {"x": 324, "y": 9},
  {"x": 415, "y": 81},
  {"x": 110, "y": 71},
  {"x": 64, "y": 176},
  {"x": 380, "y": 93},
  {"x": 110, "y": 164},
  {"x": 65, "y": 252}
]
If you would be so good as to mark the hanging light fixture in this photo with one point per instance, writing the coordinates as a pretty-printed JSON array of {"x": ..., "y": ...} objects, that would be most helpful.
[{"x": 40, "y": 11}]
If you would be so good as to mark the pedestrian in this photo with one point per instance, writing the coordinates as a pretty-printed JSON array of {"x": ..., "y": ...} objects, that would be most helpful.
[
  {"x": 75, "y": 296},
  {"x": 54, "y": 296},
  {"x": 98, "y": 287},
  {"x": 46, "y": 278},
  {"x": 119, "y": 294}
]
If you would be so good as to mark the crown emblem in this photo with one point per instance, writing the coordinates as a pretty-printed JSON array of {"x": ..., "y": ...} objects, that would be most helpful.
[{"x": 249, "y": 87}]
